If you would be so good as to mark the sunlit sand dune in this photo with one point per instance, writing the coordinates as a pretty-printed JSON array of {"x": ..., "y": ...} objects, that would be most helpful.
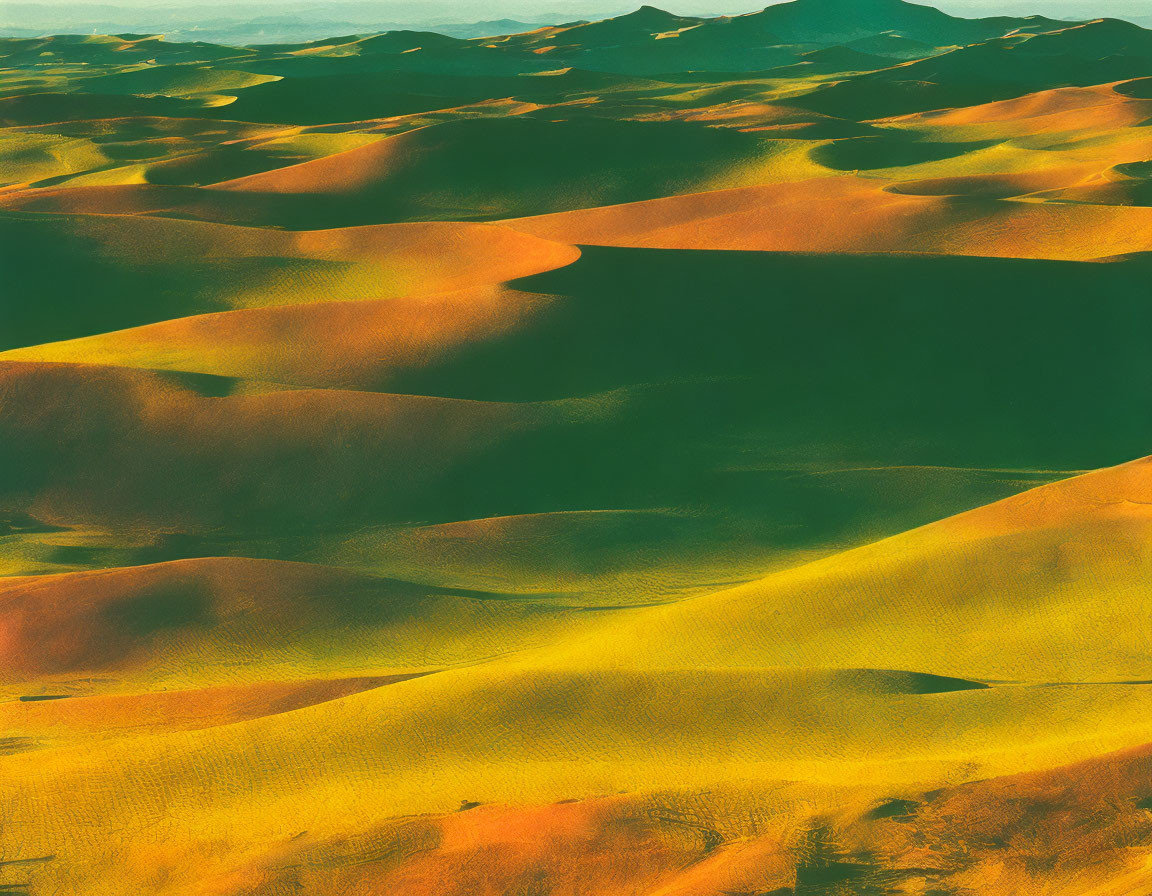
[
  {"x": 1042, "y": 587},
  {"x": 854, "y": 215}
]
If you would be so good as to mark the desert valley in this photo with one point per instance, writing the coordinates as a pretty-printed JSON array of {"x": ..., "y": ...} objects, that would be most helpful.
[{"x": 657, "y": 456}]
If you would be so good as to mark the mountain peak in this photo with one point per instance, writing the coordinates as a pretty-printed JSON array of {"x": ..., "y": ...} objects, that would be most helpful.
[
  {"x": 645, "y": 21},
  {"x": 649, "y": 14}
]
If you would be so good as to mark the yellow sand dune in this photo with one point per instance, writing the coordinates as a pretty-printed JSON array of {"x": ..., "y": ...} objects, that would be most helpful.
[
  {"x": 789, "y": 678},
  {"x": 66, "y": 718},
  {"x": 674, "y": 843},
  {"x": 496, "y": 735},
  {"x": 395, "y": 259},
  {"x": 1088, "y": 109},
  {"x": 1045, "y": 586}
]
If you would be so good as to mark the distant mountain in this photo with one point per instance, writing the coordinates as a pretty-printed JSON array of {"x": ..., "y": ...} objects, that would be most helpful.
[
  {"x": 653, "y": 41},
  {"x": 251, "y": 23},
  {"x": 821, "y": 21},
  {"x": 949, "y": 60},
  {"x": 1077, "y": 55}
]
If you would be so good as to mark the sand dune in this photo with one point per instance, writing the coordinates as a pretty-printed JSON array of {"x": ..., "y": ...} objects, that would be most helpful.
[
  {"x": 1042, "y": 586},
  {"x": 672, "y": 845},
  {"x": 231, "y": 621},
  {"x": 485, "y": 169},
  {"x": 483, "y": 736},
  {"x": 96, "y": 272},
  {"x": 846, "y": 214},
  {"x": 170, "y": 457},
  {"x": 357, "y": 345},
  {"x": 1058, "y": 109},
  {"x": 66, "y": 719}
]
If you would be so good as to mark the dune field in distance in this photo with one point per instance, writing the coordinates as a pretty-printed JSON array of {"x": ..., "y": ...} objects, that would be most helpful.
[{"x": 658, "y": 456}]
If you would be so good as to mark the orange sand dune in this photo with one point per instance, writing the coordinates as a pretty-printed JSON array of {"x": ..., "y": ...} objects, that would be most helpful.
[
  {"x": 1012, "y": 834},
  {"x": 345, "y": 173},
  {"x": 113, "y": 714},
  {"x": 107, "y": 619},
  {"x": 596, "y": 848},
  {"x": 414, "y": 257},
  {"x": 351, "y": 345},
  {"x": 854, "y": 215},
  {"x": 1091, "y": 109}
]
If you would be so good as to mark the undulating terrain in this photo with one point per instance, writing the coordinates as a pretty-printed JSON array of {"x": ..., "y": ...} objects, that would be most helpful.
[{"x": 658, "y": 456}]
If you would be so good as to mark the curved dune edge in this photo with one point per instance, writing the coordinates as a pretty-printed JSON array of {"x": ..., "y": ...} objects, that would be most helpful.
[
  {"x": 347, "y": 172},
  {"x": 1060, "y": 109},
  {"x": 403, "y": 259},
  {"x": 852, "y": 215},
  {"x": 356, "y": 345}
]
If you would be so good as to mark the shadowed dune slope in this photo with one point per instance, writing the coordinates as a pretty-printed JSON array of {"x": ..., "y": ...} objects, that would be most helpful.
[
  {"x": 713, "y": 407},
  {"x": 692, "y": 446},
  {"x": 486, "y": 169},
  {"x": 231, "y": 620},
  {"x": 92, "y": 273},
  {"x": 170, "y": 457}
]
